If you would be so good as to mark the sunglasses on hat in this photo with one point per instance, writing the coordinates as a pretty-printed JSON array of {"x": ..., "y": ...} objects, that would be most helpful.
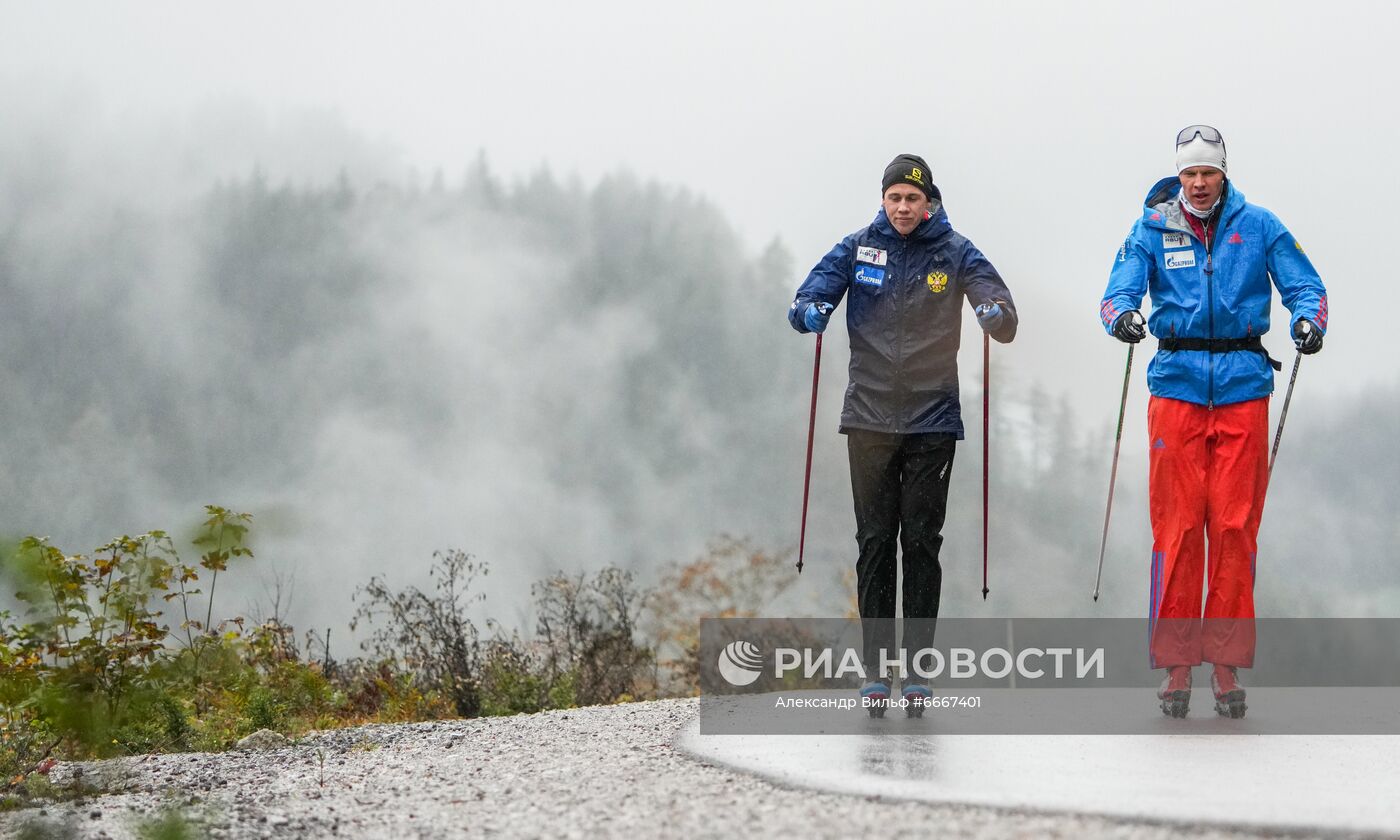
[{"x": 1205, "y": 132}]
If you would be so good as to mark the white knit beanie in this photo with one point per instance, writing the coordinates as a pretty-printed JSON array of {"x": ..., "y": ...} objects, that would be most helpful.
[{"x": 1200, "y": 153}]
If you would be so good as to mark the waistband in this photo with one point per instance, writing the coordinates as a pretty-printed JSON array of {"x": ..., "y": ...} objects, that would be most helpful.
[{"x": 1252, "y": 344}]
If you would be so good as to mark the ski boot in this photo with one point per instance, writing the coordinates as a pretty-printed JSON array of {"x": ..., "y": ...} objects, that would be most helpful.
[
  {"x": 916, "y": 699},
  {"x": 1229, "y": 694},
  {"x": 1175, "y": 692},
  {"x": 878, "y": 695}
]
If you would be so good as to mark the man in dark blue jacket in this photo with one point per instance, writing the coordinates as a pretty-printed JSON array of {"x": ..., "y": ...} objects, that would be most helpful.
[{"x": 906, "y": 276}]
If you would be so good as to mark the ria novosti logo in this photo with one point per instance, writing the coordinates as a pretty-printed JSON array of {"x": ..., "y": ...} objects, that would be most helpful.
[{"x": 740, "y": 663}]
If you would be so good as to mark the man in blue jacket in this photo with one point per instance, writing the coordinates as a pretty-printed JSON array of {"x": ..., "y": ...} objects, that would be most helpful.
[
  {"x": 1207, "y": 258},
  {"x": 905, "y": 276}
]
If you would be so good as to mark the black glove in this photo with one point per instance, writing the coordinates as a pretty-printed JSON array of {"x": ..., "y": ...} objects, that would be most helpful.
[
  {"x": 1306, "y": 337},
  {"x": 1130, "y": 327}
]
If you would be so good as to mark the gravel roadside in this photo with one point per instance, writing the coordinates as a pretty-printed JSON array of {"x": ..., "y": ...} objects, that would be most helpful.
[{"x": 606, "y": 771}]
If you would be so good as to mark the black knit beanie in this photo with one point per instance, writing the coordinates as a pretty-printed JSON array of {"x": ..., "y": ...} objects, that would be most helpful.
[{"x": 909, "y": 169}]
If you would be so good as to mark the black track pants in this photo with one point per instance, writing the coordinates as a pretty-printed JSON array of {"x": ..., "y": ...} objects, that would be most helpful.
[{"x": 900, "y": 486}]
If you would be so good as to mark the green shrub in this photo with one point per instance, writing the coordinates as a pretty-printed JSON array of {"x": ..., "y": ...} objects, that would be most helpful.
[
  {"x": 263, "y": 711},
  {"x": 47, "y": 828},
  {"x": 587, "y": 630},
  {"x": 91, "y": 663},
  {"x": 430, "y": 634},
  {"x": 169, "y": 824},
  {"x": 94, "y": 668},
  {"x": 512, "y": 681}
]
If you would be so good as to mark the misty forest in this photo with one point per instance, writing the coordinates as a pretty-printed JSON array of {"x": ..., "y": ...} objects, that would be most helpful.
[{"x": 588, "y": 389}]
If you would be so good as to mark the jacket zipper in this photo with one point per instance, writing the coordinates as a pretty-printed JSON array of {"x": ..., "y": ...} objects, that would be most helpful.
[
  {"x": 899, "y": 344},
  {"x": 1210, "y": 311}
]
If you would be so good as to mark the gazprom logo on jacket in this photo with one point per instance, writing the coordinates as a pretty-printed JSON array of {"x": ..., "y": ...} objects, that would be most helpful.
[
  {"x": 1180, "y": 259},
  {"x": 869, "y": 275}
]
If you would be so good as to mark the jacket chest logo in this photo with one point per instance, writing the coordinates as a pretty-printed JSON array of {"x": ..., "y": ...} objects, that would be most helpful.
[
  {"x": 874, "y": 256},
  {"x": 1180, "y": 259},
  {"x": 937, "y": 282},
  {"x": 1175, "y": 240},
  {"x": 869, "y": 276}
]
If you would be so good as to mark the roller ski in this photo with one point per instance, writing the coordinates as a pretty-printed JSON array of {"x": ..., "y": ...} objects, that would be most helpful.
[
  {"x": 1229, "y": 694},
  {"x": 916, "y": 699},
  {"x": 1175, "y": 692},
  {"x": 875, "y": 697}
]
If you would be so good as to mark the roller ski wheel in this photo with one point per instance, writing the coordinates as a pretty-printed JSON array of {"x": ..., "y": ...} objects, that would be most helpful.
[
  {"x": 1177, "y": 704},
  {"x": 1232, "y": 705},
  {"x": 875, "y": 697},
  {"x": 916, "y": 700},
  {"x": 1175, "y": 693},
  {"x": 1229, "y": 694}
]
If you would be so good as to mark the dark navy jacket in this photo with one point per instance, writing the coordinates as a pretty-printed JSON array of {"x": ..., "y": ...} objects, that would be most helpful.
[{"x": 904, "y": 318}]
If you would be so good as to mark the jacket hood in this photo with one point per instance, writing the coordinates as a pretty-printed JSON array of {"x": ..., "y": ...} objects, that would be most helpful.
[
  {"x": 1161, "y": 207},
  {"x": 934, "y": 227}
]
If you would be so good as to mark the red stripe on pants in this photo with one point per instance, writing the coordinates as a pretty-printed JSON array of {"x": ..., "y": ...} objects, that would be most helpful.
[{"x": 1209, "y": 469}]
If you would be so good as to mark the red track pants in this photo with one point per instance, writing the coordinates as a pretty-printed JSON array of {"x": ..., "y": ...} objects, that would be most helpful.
[{"x": 1209, "y": 471}]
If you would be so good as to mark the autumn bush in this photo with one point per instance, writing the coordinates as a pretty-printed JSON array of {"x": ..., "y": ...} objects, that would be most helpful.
[{"x": 120, "y": 652}]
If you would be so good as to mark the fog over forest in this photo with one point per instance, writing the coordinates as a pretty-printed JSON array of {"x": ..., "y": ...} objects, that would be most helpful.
[{"x": 215, "y": 306}]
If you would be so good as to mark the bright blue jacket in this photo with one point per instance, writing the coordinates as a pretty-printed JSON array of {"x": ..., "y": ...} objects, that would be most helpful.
[
  {"x": 1216, "y": 289},
  {"x": 905, "y": 319}
]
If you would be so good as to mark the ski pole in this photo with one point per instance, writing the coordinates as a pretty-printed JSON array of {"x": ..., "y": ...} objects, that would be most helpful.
[
  {"x": 811, "y": 432},
  {"x": 1113, "y": 474},
  {"x": 1297, "y": 360},
  {"x": 986, "y": 445}
]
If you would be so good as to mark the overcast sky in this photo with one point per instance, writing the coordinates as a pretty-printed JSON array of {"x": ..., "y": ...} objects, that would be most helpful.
[{"x": 1044, "y": 124}]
